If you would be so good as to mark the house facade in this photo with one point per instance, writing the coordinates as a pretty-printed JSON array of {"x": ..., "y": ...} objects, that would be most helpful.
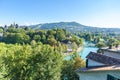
[
  {"x": 100, "y": 67},
  {"x": 99, "y": 75}
]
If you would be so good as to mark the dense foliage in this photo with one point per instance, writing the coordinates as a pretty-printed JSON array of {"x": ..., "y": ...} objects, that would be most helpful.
[
  {"x": 36, "y": 62},
  {"x": 52, "y": 37},
  {"x": 28, "y": 54},
  {"x": 101, "y": 39},
  {"x": 69, "y": 67},
  {"x": 25, "y": 62}
]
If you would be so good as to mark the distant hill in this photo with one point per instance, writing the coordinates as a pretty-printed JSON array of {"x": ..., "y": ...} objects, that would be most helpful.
[{"x": 74, "y": 27}]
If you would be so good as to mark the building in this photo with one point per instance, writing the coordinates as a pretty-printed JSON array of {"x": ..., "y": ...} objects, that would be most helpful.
[
  {"x": 111, "y": 52},
  {"x": 100, "y": 67}
]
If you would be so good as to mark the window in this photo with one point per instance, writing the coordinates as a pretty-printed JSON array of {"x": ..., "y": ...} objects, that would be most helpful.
[{"x": 109, "y": 77}]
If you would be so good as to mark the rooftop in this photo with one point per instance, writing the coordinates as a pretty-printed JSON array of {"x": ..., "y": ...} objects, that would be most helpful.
[
  {"x": 114, "y": 50},
  {"x": 103, "y": 59},
  {"x": 100, "y": 68}
]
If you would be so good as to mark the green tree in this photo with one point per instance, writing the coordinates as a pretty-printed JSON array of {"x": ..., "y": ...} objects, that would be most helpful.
[
  {"x": 89, "y": 37},
  {"x": 100, "y": 44},
  {"x": 69, "y": 67},
  {"x": 40, "y": 62},
  {"x": 1, "y": 30},
  {"x": 52, "y": 41},
  {"x": 111, "y": 42},
  {"x": 16, "y": 38},
  {"x": 60, "y": 35},
  {"x": 27, "y": 28},
  {"x": 74, "y": 46},
  {"x": 37, "y": 38},
  {"x": 43, "y": 38}
]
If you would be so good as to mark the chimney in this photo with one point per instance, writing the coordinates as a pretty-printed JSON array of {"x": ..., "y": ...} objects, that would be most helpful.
[{"x": 86, "y": 63}]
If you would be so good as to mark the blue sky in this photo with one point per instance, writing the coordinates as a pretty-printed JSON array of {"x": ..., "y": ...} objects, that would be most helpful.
[{"x": 100, "y": 13}]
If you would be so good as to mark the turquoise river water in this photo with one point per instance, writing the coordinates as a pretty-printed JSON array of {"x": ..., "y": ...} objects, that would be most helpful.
[{"x": 86, "y": 50}]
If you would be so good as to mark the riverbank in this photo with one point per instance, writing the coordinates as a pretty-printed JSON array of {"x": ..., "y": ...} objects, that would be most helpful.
[
  {"x": 83, "y": 53},
  {"x": 79, "y": 49}
]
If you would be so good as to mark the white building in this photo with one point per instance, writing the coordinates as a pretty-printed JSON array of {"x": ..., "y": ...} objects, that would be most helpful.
[{"x": 100, "y": 67}]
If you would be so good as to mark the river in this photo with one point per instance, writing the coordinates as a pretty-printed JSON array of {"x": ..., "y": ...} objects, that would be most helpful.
[{"x": 86, "y": 50}]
